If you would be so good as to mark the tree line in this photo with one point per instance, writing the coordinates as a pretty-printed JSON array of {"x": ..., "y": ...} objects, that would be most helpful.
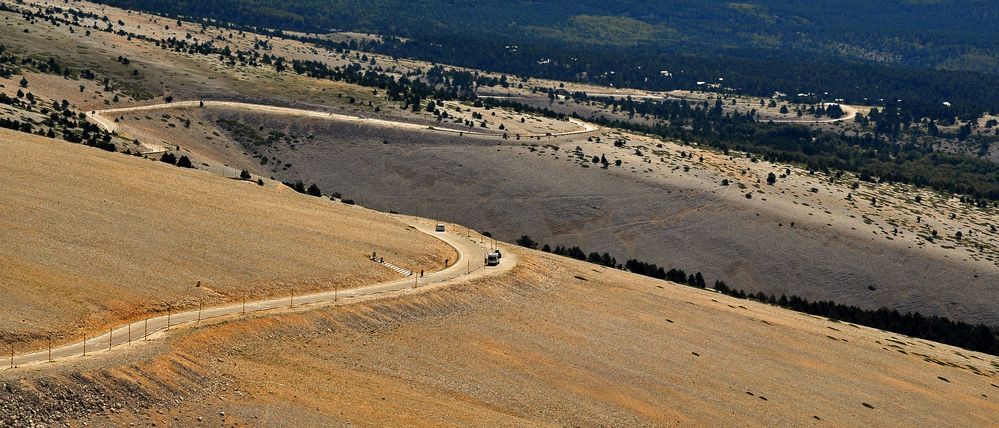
[
  {"x": 980, "y": 337},
  {"x": 759, "y": 71}
]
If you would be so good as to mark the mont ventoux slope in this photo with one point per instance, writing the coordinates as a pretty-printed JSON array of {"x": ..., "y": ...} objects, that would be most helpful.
[
  {"x": 551, "y": 341},
  {"x": 221, "y": 218}
]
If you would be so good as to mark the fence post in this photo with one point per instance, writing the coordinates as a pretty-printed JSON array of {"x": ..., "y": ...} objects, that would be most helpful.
[
  {"x": 292, "y": 305},
  {"x": 84, "y": 345},
  {"x": 145, "y": 330},
  {"x": 168, "y": 318},
  {"x": 110, "y": 337},
  {"x": 244, "y": 305},
  {"x": 199, "y": 311},
  {"x": 12, "y": 355},
  {"x": 129, "y": 334},
  {"x": 50, "y": 349}
]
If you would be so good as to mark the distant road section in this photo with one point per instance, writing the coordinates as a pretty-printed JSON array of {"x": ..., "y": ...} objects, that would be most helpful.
[
  {"x": 849, "y": 113},
  {"x": 101, "y": 117}
]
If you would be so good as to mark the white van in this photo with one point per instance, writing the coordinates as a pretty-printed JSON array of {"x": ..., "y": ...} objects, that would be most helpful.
[
  {"x": 492, "y": 259},
  {"x": 440, "y": 227}
]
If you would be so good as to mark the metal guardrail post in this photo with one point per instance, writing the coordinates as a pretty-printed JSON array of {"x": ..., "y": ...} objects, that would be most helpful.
[{"x": 169, "y": 321}]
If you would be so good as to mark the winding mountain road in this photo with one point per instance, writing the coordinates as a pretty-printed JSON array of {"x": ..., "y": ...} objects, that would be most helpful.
[
  {"x": 470, "y": 247},
  {"x": 102, "y": 118},
  {"x": 849, "y": 113}
]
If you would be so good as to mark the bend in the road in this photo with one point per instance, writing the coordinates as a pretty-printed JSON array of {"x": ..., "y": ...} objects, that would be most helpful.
[
  {"x": 99, "y": 118},
  {"x": 469, "y": 263}
]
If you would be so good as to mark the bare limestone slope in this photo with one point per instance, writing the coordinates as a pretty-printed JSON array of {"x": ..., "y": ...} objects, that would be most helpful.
[
  {"x": 552, "y": 342},
  {"x": 785, "y": 240},
  {"x": 897, "y": 252},
  {"x": 92, "y": 238}
]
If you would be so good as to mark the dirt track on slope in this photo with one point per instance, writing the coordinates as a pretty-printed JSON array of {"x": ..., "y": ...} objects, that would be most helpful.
[
  {"x": 471, "y": 251},
  {"x": 100, "y": 117}
]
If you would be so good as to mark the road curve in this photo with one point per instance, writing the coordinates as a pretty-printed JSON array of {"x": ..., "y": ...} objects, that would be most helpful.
[
  {"x": 470, "y": 246},
  {"x": 100, "y": 118},
  {"x": 849, "y": 113}
]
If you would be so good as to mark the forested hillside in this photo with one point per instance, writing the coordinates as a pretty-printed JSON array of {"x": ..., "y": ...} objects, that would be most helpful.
[
  {"x": 943, "y": 32},
  {"x": 925, "y": 53}
]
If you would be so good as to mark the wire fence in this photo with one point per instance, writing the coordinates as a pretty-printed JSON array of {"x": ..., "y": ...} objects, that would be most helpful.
[{"x": 139, "y": 331}]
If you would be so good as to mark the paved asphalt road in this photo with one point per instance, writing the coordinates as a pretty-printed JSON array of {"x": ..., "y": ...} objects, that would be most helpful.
[
  {"x": 471, "y": 256},
  {"x": 108, "y": 124}
]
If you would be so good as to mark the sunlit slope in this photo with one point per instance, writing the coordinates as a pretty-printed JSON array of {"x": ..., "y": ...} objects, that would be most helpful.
[
  {"x": 90, "y": 237},
  {"x": 559, "y": 342}
]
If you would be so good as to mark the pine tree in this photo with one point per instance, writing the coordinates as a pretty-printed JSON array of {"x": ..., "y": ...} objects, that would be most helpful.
[
  {"x": 526, "y": 241},
  {"x": 168, "y": 158},
  {"x": 184, "y": 162}
]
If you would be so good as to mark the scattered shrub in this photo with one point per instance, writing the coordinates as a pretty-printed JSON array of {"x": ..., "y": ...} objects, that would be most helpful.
[
  {"x": 184, "y": 162},
  {"x": 526, "y": 241},
  {"x": 314, "y": 190},
  {"x": 168, "y": 158}
]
